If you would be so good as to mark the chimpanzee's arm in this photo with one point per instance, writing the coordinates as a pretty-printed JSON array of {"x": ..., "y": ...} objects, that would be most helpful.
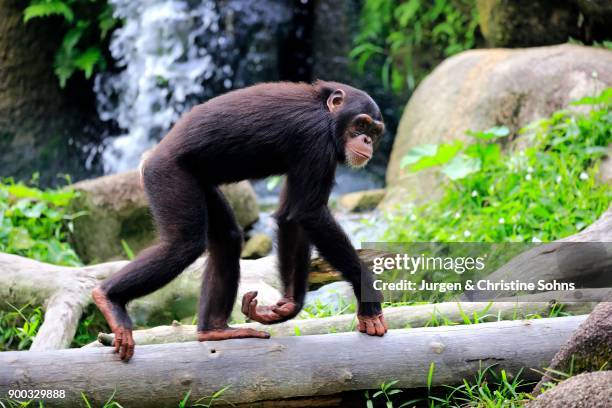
[{"x": 334, "y": 245}]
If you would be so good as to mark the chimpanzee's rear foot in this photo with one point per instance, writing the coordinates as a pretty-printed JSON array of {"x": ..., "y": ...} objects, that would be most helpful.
[
  {"x": 231, "y": 333},
  {"x": 119, "y": 322},
  {"x": 284, "y": 309}
]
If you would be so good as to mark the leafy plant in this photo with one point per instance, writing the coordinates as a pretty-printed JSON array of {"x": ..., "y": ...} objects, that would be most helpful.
[
  {"x": 19, "y": 326},
  {"x": 386, "y": 391},
  {"x": 87, "y": 24},
  {"x": 107, "y": 404},
  {"x": 540, "y": 193},
  {"x": 33, "y": 223},
  {"x": 92, "y": 322},
  {"x": 488, "y": 389},
  {"x": 399, "y": 37}
]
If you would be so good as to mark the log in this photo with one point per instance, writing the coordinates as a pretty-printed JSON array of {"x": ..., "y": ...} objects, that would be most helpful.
[
  {"x": 566, "y": 260},
  {"x": 397, "y": 318},
  {"x": 255, "y": 370},
  {"x": 65, "y": 292}
]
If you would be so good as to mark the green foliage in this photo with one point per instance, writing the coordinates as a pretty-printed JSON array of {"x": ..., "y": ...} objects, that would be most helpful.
[
  {"x": 18, "y": 327},
  {"x": 488, "y": 389},
  {"x": 92, "y": 322},
  {"x": 33, "y": 223},
  {"x": 319, "y": 309},
  {"x": 540, "y": 193},
  {"x": 405, "y": 38},
  {"x": 385, "y": 392},
  {"x": 87, "y": 24}
]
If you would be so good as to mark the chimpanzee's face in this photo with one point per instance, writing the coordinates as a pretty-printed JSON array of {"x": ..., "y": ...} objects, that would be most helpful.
[{"x": 363, "y": 125}]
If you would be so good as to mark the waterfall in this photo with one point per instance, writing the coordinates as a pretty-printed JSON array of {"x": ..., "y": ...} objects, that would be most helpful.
[{"x": 173, "y": 54}]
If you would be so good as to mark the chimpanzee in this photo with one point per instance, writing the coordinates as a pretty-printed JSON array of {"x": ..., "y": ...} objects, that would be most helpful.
[{"x": 298, "y": 129}]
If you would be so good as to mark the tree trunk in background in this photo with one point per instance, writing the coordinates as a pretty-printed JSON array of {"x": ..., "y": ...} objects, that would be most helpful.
[{"x": 37, "y": 118}]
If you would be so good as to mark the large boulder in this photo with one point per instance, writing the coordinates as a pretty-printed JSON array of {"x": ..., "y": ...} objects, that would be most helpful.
[
  {"x": 115, "y": 209},
  {"x": 592, "y": 390},
  {"x": 528, "y": 23},
  {"x": 478, "y": 89},
  {"x": 589, "y": 348}
]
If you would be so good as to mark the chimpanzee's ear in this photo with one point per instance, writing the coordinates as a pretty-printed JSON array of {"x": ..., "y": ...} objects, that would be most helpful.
[{"x": 335, "y": 100}]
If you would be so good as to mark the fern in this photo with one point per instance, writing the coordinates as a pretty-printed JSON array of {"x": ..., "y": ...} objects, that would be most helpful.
[
  {"x": 48, "y": 8},
  {"x": 87, "y": 25}
]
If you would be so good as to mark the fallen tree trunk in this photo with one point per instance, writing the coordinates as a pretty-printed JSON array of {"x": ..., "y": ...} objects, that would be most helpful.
[
  {"x": 583, "y": 258},
  {"x": 396, "y": 317},
  {"x": 65, "y": 291},
  {"x": 254, "y": 370}
]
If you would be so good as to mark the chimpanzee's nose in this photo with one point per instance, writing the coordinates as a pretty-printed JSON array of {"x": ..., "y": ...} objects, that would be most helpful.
[{"x": 367, "y": 139}]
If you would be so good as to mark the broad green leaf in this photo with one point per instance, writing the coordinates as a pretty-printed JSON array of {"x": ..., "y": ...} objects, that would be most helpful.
[
  {"x": 34, "y": 211},
  {"x": 417, "y": 153},
  {"x": 461, "y": 166},
  {"x": 490, "y": 134},
  {"x": 19, "y": 238},
  {"x": 444, "y": 153},
  {"x": 22, "y": 191}
]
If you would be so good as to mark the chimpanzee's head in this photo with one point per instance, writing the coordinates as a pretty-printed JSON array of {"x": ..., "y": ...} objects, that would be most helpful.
[{"x": 359, "y": 123}]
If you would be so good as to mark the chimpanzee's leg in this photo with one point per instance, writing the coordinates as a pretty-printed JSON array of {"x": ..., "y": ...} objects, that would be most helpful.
[
  {"x": 294, "y": 251},
  {"x": 222, "y": 272},
  {"x": 293, "y": 257},
  {"x": 178, "y": 205}
]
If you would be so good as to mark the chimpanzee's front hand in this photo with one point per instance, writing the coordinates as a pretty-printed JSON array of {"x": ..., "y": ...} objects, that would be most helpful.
[
  {"x": 372, "y": 325},
  {"x": 370, "y": 319}
]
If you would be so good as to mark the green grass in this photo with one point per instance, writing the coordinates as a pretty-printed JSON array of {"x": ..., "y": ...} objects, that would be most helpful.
[
  {"x": 34, "y": 223},
  {"x": 18, "y": 326},
  {"x": 540, "y": 193},
  {"x": 490, "y": 388}
]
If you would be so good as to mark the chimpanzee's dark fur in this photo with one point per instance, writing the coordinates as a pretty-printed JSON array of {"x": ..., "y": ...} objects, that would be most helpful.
[{"x": 263, "y": 130}]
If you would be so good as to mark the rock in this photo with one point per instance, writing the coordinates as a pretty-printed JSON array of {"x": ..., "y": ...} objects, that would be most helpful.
[
  {"x": 43, "y": 128},
  {"x": 362, "y": 200},
  {"x": 116, "y": 210},
  {"x": 335, "y": 295},
  {"x": 592, "y": 390},
  {"x": 605, "y": 168},
  {"x": 589, "y": 348},
  {"x": 602, "y": 8},
  {"x": 479, "y": 89},
  {"x": 258, "y": 246},
  {"x": 525, "y": 23}
]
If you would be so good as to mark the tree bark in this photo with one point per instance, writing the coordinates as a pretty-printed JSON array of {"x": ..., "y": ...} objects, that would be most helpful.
[
  {"x": 255, "y": 370},
  {"x": 396, "y": 317}
]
